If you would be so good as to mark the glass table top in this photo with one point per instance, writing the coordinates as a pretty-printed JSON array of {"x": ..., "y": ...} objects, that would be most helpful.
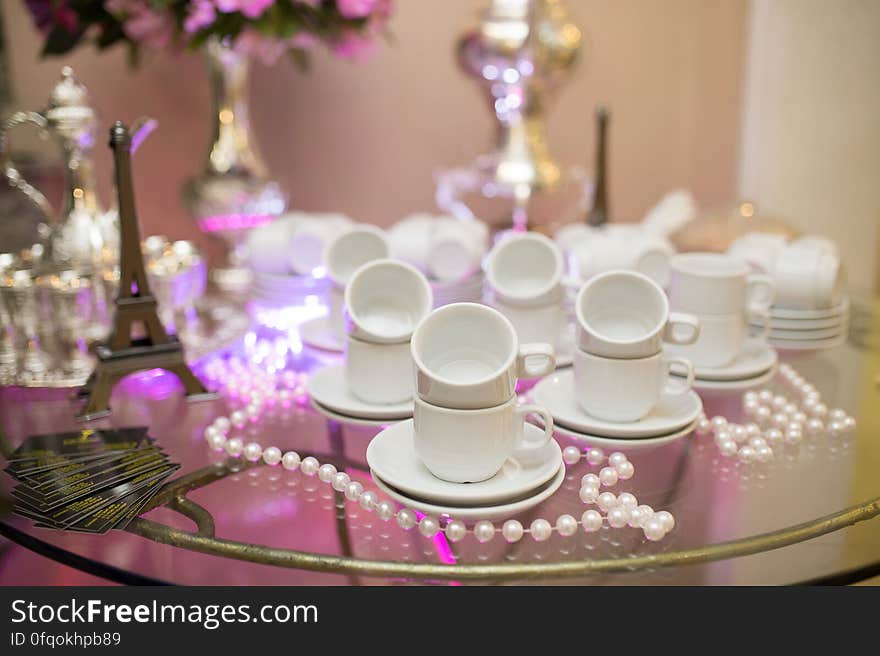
[{"x": 255, "y": 525}]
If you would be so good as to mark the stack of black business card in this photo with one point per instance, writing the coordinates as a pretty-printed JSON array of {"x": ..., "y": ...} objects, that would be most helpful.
[{"x": 89, "y": 480}]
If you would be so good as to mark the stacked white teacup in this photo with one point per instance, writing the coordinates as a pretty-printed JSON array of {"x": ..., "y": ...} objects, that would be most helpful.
[
  {"x": 385, "y": 300},
  {"x": 466, "y": 419},
  {"x": 343, "y": 255},
  {"x": 525, "y": 276},
  {"x": 620, "y": 370},
  {"x": 721, "y": 290}
]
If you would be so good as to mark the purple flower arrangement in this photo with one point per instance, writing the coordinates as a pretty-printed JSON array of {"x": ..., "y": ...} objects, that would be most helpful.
[{"x": 266, "y": 29}]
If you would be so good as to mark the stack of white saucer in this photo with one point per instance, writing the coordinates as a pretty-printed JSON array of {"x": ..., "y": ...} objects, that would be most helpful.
[
  {"x": 468, "y": 452},
  {"x": 447, "y": 251},
  {"x": 811, "y": 309}
]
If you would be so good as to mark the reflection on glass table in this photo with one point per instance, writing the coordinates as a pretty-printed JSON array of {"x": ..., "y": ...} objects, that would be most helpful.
[{"x": 230, "y": 522}]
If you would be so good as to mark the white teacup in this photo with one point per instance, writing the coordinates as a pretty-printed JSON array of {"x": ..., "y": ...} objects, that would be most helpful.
[
  {"x": 468, "y": 446},
  {"x": 617, "y": 389},
  {"x": 310, "y": 236},
  {"x": 378, "y": 373},
  {"x": 759, "y": 250},
  {"x": 526, "y": 270},
  {"x": 816, "y": 241},
  {"x": 353, "y": 248},
  {"x": 624, "y": 314},
  {"x": 468, "y": 355},
  {"x": 723, "y": 337},
  {"x": 715, "y": 283},
  {"x": 627, "y": 247},
  {"x": 456, "y": 248},
  {"x": 808, "y": 276},
  {"x": 385, "y": 300},
  {"x": 410, "y": 239},
  {"x": 544, "y": 323}
]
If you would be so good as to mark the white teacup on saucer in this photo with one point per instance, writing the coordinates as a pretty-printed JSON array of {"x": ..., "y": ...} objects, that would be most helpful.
[
  {"x": 469, "y": 446},
  {"x": 391, "y": 454},
  {"x": 329, "y": 388},
  {"x": 557, "y": 394}
]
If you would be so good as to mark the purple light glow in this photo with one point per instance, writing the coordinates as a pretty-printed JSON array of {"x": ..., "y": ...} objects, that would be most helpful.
[{"x": 233, "y": 221}]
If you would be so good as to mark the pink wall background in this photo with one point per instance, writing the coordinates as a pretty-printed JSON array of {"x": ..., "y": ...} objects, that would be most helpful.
[{"x": 365, "y": 139}]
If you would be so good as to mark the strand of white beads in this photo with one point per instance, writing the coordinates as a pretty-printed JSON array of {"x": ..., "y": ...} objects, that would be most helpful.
[
  {"x": 776, "y": 420},
  {"x": 616, "y": 511}
]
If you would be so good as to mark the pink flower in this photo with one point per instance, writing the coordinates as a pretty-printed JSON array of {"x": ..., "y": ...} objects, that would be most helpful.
[
  {"x": 304, "y": 41},
  {"x": 356, "y": 8},
  {"x": 252, "y": 43},
  {"x": 141, "y": 23},
  {"x": 354, "y": 45},
  {"x": 201, "y": 14},
  {"x": 250, "y": 8}
]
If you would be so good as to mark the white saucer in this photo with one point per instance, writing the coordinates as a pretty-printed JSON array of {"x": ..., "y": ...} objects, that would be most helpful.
[
  {"x": 732, "y": 385},
  {"x": 556, "y": 393},
  {"x": 824, "y": 313},
  {"x": 392, "y": 456},
  {"x": 345, "y": 419},
  {"x": 806, "y": 324},
  {"x": 809, "y": 344},
  {"x": 328, "y": 388},
  {"x": 643, "y": 444},
  {"x": 474, "y": 513},
  {"x": 319, "y": 334},
  {"x": 753, "y": 361},
  {"x": 804, "y": 335}
]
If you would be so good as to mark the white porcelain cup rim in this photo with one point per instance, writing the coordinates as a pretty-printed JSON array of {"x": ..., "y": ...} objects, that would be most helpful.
[
  {"x": 385, "y": 263},
  {"x": 586, "y": 288},
  {"x": 346, "y": 232},
  {"x": 535, "y": 237},
  {"x": 458, "y": 307}
]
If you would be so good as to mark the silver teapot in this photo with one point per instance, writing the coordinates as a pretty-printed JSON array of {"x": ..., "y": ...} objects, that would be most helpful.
[{"x": 81, "y": 236}]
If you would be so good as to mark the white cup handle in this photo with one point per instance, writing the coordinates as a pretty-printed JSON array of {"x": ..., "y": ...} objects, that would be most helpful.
[
  {"x": 760, "y": 292},
  {"x": 525, "y": 447},
  {"x": 545, "y": 354},
  {"x": 671, "y": 385},
  {"x": 681, "y": 328},
  {"x": 763, "y": 319}
]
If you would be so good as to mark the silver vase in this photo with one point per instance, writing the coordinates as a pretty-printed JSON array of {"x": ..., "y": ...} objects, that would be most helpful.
[{"x": 234, "y": 192}]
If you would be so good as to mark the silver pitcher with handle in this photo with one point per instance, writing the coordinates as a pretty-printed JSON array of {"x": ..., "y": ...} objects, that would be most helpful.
[{"x": 80, "y": 235}]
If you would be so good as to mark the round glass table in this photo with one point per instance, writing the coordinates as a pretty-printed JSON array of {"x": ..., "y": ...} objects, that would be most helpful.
[{"x": 806, "y": 517}]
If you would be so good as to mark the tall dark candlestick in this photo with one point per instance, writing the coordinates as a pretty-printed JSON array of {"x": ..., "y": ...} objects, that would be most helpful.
[{"x": 599, "y": 213}]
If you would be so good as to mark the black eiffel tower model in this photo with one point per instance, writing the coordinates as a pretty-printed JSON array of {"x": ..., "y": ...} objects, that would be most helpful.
[{"x": 123, "y": 355}]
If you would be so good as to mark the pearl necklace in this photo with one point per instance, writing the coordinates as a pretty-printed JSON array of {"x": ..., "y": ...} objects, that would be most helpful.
[
  {"x": 749, "y": 443},
  {"x": 776, "y": 420},
  {"x": 267, "y": 388}
]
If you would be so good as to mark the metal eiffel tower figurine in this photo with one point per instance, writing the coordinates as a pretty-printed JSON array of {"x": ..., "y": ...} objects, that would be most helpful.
[
  {"x": 598, "y": 215},
  {"x": 122, "y": 354}
]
